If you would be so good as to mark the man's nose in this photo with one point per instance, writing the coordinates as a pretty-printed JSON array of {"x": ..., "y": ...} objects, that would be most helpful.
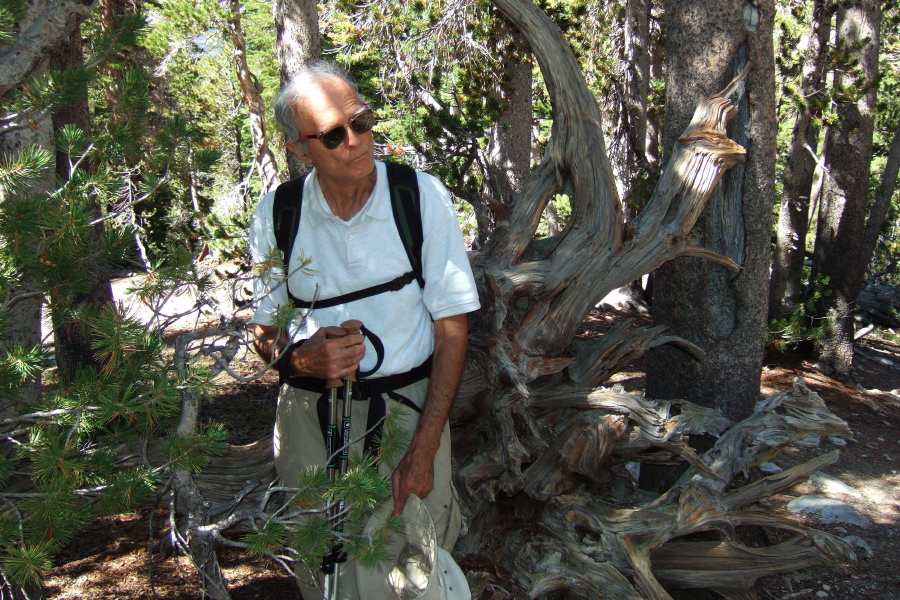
[{"x": 354, "y": 139}]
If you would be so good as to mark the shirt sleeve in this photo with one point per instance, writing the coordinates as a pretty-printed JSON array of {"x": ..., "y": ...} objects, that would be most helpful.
[
  {"x": 449, "y": 285},
  {"x": 269, "y": 291}
]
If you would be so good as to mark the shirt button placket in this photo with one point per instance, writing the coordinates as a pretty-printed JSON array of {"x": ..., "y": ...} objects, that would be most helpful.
[{"x": 353, "y": 256}]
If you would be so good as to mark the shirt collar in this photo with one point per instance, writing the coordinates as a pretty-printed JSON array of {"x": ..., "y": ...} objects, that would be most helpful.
[{"x": 377, "y": 207}]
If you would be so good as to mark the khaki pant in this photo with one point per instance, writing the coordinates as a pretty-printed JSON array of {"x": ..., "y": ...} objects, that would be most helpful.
[{"x": 299, "y": 444}]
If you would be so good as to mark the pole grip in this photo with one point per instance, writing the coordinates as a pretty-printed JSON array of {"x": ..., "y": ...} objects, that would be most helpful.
[
  {"x": 331, "y": 333},
  {"x": 351, "y": 327}
]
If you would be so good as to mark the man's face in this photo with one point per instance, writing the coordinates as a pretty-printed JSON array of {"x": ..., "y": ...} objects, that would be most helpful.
[{"x": 332, "y": 103}]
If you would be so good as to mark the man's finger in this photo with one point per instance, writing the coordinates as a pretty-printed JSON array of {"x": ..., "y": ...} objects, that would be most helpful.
[
  {"x": 399, "y": 503},
  {"x": 349, "y": 341},
  {"x": 319, "y": 333}
]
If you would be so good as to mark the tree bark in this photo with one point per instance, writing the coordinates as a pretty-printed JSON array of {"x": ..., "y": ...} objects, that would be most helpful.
[
  {"x": 848, "y": 152},
  {"x": 509, "y": 145},
  {"x": 252, "y": 94},
  {"x": 797, "y": 179},
  {"x": 297, "y": 43},
  {"x": 723, "y": 313}
]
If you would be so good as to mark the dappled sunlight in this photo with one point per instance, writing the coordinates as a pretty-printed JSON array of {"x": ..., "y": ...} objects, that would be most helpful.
[{"x": 880, "y": 497}]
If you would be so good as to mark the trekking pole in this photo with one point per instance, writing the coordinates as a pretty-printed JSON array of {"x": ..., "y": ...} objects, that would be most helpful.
[
  {"x": 338, "y": 555},
  {"x": 351, "y": 327},
  {"x": 329, "y": 567}
]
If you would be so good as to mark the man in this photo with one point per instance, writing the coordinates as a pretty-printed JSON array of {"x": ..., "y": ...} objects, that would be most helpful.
[{"x": 347, "y": 231}]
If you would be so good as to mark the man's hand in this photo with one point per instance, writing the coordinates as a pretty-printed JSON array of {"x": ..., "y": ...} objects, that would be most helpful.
[
  {"x": 334, "y": 358},
  {"x": 414, "y": 475}
]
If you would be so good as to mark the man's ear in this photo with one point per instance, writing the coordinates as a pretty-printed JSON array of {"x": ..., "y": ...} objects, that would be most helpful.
[{"x": 301, "y": 154}]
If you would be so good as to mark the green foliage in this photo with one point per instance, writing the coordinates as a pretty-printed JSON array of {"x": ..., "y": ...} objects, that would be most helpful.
[
  {"x": 312, "y": 487},
  {"x": 191, "y": 452},
  {"x": 450, "y": 57},
  {"x": 30, "y": 165},
  {"x": 126, "y": 489},
  {"x": 27, "y": 564},
  {"x": 362, "y": 488},
  {"x": 192, "y": 45},
  {"x": 20, "y": 365},
  {"x": 802, "y": 325},
  {"x": 11, "y": 11},
  {"x": 56, "y": 512},
  {"x": 137, "y": 151},
  {"x": 312, "y": 539},
  {"x": 372, "y": 549},
  {"x": 266, "y": 539},
  {"x": 394, "y": 439}
]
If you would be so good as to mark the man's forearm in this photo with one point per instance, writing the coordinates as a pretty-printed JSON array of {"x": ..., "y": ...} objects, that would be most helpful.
[
  {"x": 268, "y": 343},
  {"x": 450, "y": 340}
]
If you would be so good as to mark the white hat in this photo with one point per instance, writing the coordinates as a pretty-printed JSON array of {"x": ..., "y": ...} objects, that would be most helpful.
[{"x": 417, "y": 569}]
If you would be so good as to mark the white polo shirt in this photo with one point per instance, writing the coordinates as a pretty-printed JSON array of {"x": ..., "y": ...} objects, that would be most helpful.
[{"x": 365, "y": 251}]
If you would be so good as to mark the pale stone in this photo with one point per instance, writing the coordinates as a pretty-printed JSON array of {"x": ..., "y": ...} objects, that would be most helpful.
[
  {"x": 827, "y": 510},
  {"x": 831, "y": 485}
]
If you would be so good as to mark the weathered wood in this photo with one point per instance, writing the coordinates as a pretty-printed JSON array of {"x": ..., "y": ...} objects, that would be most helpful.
[
  {"x": 588, "y": 543},
  {"x": 727, "y": 564},
  {"x": 597, "y": 360},
  {"x": 502, "y": 343}
]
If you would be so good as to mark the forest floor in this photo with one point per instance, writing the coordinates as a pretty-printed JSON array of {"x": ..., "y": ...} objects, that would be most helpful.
[{"x": 120, "y": 557}]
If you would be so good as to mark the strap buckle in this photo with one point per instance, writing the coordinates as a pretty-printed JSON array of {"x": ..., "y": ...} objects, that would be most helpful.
[{"x": 401, "y": 282}]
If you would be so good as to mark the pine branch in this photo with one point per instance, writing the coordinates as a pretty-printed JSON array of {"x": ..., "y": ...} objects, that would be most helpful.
[{"x": 48, "y": 414}]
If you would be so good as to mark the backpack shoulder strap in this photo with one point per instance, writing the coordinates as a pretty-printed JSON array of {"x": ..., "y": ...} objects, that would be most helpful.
[
  {"x": 286, "y": 215},
  {"x": 407, "y": 209}
]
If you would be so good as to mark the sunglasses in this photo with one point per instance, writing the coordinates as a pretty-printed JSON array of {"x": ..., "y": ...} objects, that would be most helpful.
[{"x": 361, "y": 123}]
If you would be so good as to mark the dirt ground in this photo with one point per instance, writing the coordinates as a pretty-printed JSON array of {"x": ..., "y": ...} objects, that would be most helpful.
[{"x": 119, "y": 557}]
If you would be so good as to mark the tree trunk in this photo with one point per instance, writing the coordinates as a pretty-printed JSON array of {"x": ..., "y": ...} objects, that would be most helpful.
[
  {"x": 297, "y": 43},
  {"x": 797, "y": 179},
  {"x": 70, "y": 331},
  {"x": 46, "y": 25},
  {"x": 629, "y": 137},
  {"x": 195, "y": 535},
  {"x": 848, "y": 152},
  {"x": 23, "y": 326},
  {"x": 881, "y": 204},
  {"x": 507, "y": 159},
  {"x": 723, "y": 313},
  {"x": 656, "y": 118},
  {"x": 509, "y": 145},
  {"x": 251, "y": 91}
]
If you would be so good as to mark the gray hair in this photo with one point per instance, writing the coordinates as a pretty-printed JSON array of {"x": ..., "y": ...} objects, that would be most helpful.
[{"x": 293, "y": 95}]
